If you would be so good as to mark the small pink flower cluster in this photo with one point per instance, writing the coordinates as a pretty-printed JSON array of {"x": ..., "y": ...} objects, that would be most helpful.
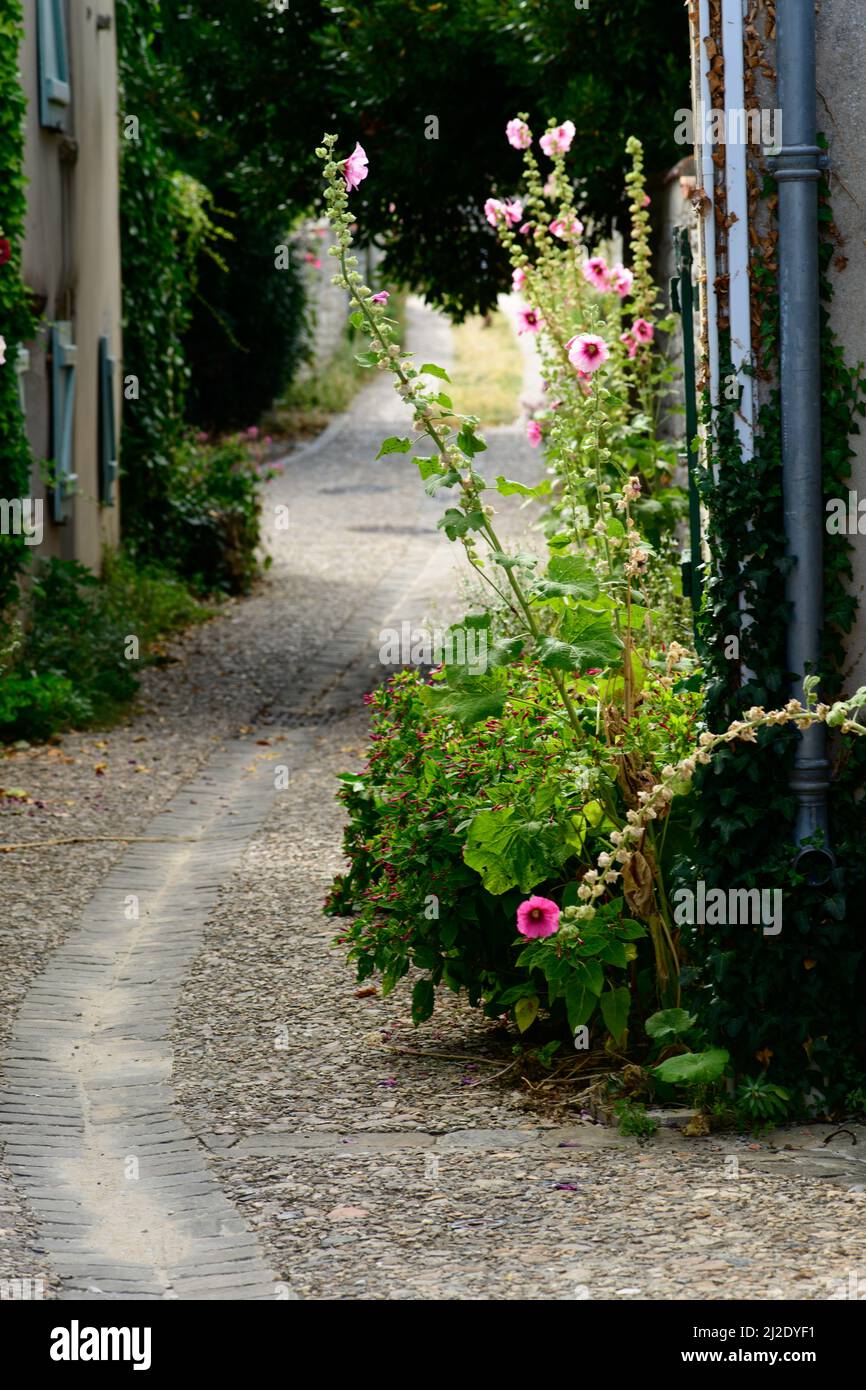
[
  {"x": 511, "y": 210},
  {"x": 559, "y": 139},
  {"x": 639, "y": 335},
  {"x": 519, "y": 135},
  {"x": 604, "y": 278},
  {"x": 563, "y": 229}
]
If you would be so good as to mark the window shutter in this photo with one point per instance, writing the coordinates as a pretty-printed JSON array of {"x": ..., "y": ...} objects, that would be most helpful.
[
  {"x": 53, "y": 50},
  {"x": 107, "y": 426},
  {"x": 63, "y": 355}
]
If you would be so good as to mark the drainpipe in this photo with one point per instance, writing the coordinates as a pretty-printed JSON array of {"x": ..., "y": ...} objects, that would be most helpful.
[{"x": 797, "y": 171}]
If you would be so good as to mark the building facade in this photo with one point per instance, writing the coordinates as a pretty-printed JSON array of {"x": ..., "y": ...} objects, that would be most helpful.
[{"x": 69, "y": 374}]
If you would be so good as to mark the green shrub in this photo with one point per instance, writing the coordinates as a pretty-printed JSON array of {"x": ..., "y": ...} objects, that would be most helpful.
[
  {"x": 211, "y": 526},
  {"x": 68, "y": 665}
]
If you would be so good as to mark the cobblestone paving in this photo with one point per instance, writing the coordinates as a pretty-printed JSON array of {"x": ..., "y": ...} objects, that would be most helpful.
[{"x": 196, "y": 1100}]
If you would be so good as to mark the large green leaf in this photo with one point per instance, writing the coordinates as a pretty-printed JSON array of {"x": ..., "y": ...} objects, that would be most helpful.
[
  {"x": 591, "y": 634},
  {"x": 693, "y": 1068},
  {"x": 394, "y": 445},
  {"x": 580, "y": 1004},
  {"x": 669, "y": 1023},
  {"x": 568, "y": 576},
  {"x": 508, "y": 852},
  {"x": 526, "y": 1011},
  {"x": 508, "y": 487}
]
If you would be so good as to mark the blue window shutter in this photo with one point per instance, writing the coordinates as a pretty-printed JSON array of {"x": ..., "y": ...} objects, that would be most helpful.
[
  {"x": 107, "y": 426},
  {"x": 54, "y": 94},
  {"x": 63, "y": 355}
]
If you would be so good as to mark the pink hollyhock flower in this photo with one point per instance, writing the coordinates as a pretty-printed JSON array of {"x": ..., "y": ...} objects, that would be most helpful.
[
  {"x": 494, "y": 208},
  {"x": 518, "y": 279},
  {"x": 646, "y": 200},
  {"x": 530, "y": 320},
  {"x": 527, "y": 226},
  {"x": 621, "y": 280},
  {"x": 312, "y": 260},
  {"x": 549, "y": 189},
  {"x": 519, "y": 135},
  {"x": 559, "y": 138},
  {"x": 381, "y": 298},
  {"x": 588, "y": 352},
  {"x": 533, "y": 433},
  {"x": 537, "y": 917},
  {"x": 630, "y": 342},
  {"x": 559, "y": 227},
  {"x": 513, "y": 211},
  {"x": 596, "y": 272},
  {"x": 253, "y": 432},
  {"x": 642, "y": 331},
  {"x": 355, "y": 168}
]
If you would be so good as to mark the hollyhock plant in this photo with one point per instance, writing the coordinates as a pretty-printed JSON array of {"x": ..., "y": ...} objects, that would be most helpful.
[
  {"x": 559, "y": 139},
  {"x": 518, "y": 133},
  {"x": 596, "y": 273},
  {"x": 356, "y": 167},
  {"x": 534, "y": 433},
  {"x": 494, "y": 208},
  {"x": 587, "y": 352},
  {"x": 529, "y": 321},
  {"x": 621, "y": 280},
  {"x": 566, "y": 227},
  {"x": 381, "y": 298},
  {"x": 630, "y": 342},
  {"x": 642, "y": 331},
  {"x": 538, "y": 917},
  {"x": 518, "y": 279}
]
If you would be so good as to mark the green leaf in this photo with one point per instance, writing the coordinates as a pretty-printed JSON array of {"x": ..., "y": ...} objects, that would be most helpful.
[
  {"x": 510, "y": 562},
  {"x": 427, "y": 467},
  {"x": 394, "y": 446},
  {"x": 468, "y": 699},
  {"x": 669, "y": 1023},
  {"x": 456, "y": 523},
  {"x": 469, "y": 443},
  {"x": 591, "y": 975},
  {"x": 693, "y": 1068},
  {"x": 431, "y": 369},
  {"x": 507, "y": 487},
  {"x": 615, "y": 1005},
  {"x": 366, "y": 359},
  {"x": 508, "y": 852},
  {"x": 526, "y": 1011},
  {"x": 592, "y": 635},
  {"x": 357, "y": 319},
  {"x": 580, "y": 1004},
  {"x": 422, "y": 1000},
  {"x": 557, "y": 655}
]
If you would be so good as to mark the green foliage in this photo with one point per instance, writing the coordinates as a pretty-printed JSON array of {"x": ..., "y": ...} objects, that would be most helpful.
[
  {"x": 211, "y": 522},
  {"x": 798, "y": 997},
  {"x": 68, "y": 665},
  {"x": 485, "y": 60},
  {"x": 634, "y": 1120},
  {"x": 759, "y": 1102},
  {"x": 16, "y": 323}
]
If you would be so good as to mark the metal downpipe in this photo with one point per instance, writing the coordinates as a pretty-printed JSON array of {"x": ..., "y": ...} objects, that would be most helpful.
[{"x": 797, "y": 171}]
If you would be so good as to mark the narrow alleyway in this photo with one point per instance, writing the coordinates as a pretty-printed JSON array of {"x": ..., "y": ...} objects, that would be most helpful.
[{"x": 197, "y": 1101}]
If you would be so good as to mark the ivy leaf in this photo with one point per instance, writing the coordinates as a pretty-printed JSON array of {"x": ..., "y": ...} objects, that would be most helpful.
[{"x": 394, "y": 445}]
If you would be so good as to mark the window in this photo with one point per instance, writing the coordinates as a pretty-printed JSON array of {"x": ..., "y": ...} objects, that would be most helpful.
[{"x": 53, "y": 64}]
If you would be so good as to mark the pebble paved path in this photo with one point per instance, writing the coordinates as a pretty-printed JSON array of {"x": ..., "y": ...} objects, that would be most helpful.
[{"x": 196, "y": 1103}]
